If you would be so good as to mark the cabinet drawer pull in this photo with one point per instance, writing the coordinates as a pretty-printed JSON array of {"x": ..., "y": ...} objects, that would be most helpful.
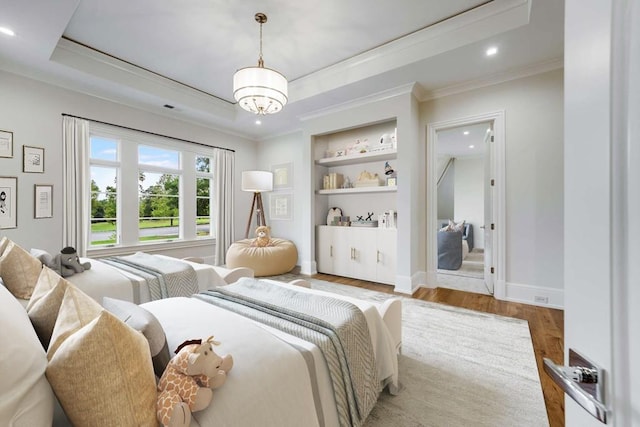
[
  {"x": 331, "y": 251},
  {"x": 378, "y": 256}
]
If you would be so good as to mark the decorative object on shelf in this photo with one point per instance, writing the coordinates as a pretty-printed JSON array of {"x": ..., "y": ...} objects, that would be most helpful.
[
  {"x": 342, "y": 221},
  {"x": 282, "y": 176},
  {"x": 361, "y": 221},
  {"x": 258, "y": 89},
  {"x": 333, "y": 212},
  {"x": 256, "y": 182},
  {"x": 43, "y": 201},
  {"x": 367, "y": 179},
  {"x": 346, "y": 183},
  {"x": 6, "y": 144},
  {"x": 341, "y": 153},
  {"x": 8, "y": 202},
  {"x": 392, "y": 181},
  {"x": 281, "y": 206},
  {"x": 361, "y": 146},
  {"x": 32, "y": 159},
  {"x": 388, "y": 219},
  {"x": 388, "y": 170},
  {"x": 332, "y": 181}
]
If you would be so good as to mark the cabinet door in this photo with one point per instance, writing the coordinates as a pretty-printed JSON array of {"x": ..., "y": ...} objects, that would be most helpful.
[
  {"x": 324, "y": 249},
  {"x": 342, "y": 251},
  {"x": 386, "y": 256},
  {"x": 364, "y": 253}
]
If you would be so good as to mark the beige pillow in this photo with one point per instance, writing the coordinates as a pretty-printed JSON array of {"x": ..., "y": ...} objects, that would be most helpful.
[
  {"x": 45, "y": 302},
  {"x": 3, "y": 244},
  {"x": 76, "y": 311},
  {"x": 19, "y": 270},
  {"x": 102, "y": 375}
]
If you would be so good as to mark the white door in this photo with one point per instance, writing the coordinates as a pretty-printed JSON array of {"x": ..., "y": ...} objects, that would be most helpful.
[
  {"x": 488, "y": 211},
  {"x": 602, "y": 188}
]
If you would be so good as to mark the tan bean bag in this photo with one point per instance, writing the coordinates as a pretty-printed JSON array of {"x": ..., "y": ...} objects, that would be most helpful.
[{"x": 278, "y": 258}]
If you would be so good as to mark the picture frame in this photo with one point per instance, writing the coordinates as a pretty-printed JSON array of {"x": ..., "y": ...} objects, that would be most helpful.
[
  {"x": 42, "y": 201},
  {"x": 6, "y": 144},
  {"x": 282, "y": 176},
  {"x": 281, "y": 206},
  {"x": 392, "y": 181},
  {"x": 8, "y": 202},
  {"x": 32, "y": 159}
]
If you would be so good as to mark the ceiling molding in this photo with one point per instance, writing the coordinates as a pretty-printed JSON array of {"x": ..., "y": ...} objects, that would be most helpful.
[
  {"x": 493, "y": 79},
  {"x": 111, "y": 69},
  {"x": 469, "y": 27}
]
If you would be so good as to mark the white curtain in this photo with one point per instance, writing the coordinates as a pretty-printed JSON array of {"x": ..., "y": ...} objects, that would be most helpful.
[
  {"x": 224, "y": 171},
  {"x": 76, "y": 202}
]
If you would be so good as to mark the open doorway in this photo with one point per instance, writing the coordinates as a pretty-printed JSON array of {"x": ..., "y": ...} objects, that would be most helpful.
[
  {"x": 484, "y": 176},
  {"x": 463, "y": 167}
]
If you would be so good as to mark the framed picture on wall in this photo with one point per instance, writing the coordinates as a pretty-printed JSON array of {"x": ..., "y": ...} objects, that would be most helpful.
[
  {"x": 8, "y": 202},
  {"x": 43, "y": 201},
  {"x": 280, "y": 206},
  {"x": 6, "y": 144},
  {"x": 32, "y": 159},
  {"x": 282, "y": 176}
]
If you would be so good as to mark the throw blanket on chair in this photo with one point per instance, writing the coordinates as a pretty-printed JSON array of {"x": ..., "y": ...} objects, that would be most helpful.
[
  {"x": 337, "y": 327},
  {"x": 165, "y": 278}
]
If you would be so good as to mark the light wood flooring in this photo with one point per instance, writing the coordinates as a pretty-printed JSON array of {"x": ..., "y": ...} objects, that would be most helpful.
[{"x": 546, "y": 326}]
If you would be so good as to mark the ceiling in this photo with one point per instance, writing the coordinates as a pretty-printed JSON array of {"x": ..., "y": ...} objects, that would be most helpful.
[
  {"x": 463, "y": 141},
  {"x": 149, "y": 53}
]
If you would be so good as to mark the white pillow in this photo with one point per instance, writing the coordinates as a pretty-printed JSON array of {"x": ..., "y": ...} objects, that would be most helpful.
[{"x": 26, "y": 398}]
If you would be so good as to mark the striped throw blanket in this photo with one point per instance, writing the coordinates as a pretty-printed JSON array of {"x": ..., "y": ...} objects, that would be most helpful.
[
  {"x": 165, "y": 278},
  {"x": 337, "y": 327}
]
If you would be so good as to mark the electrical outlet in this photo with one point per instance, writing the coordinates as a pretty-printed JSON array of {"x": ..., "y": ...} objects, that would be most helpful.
[{"x": 541, "y": 300}]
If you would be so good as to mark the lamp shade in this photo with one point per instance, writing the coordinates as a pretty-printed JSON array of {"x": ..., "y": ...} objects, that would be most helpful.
[
  {"x": 257, "y": 181},
  {"x": 260, "y": 90}
]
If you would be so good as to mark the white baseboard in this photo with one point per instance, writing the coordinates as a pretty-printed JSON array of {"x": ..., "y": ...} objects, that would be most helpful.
[
  {"x": 409, "y": 284},
  {"x": 430, "y": 280},
  {"x": 308, "y": 268},
  {"x": 533, "y": 295}
]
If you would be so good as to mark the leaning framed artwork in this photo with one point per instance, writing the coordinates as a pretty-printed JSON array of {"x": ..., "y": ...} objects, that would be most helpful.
[
  {"x": 282, "y": 176},
  {"x": 43, "y": 201},
  {"x": 280, "y": 206},
  {"x": 6, "y": 144},
  {"x": 32, "y": 159},
  {"x": 8, "y": 202}
]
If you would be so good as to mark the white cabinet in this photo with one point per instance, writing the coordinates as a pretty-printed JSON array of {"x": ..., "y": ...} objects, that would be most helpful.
[{"x": 361, "y": 253}]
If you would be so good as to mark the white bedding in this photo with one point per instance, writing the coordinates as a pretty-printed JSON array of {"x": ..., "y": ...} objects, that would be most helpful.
[{"x": 270, "y": 384}]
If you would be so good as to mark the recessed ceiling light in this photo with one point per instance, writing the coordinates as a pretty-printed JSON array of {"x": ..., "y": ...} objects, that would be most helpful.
[
  {"x": 258, "y": 122},
  {"x": 7, "y": 31},
  {"x": 471, "y": 146},
  {"x": 466, "y": 132},
  {"x": 492, "y": 51},
  {"x": 488, "y": 129}
]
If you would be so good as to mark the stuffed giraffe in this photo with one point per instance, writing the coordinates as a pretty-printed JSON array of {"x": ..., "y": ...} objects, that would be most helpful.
[{"x": 188, "y": 380}]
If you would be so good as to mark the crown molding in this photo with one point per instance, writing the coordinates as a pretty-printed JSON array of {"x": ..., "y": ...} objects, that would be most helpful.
[{"x": 493, "y": 79}]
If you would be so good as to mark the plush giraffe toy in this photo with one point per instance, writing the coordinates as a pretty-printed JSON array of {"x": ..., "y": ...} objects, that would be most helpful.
[{"x": 188, "y": 380}]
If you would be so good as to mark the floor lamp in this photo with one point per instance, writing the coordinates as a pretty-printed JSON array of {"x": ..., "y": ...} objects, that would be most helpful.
[{"x": 256, "y": 182}]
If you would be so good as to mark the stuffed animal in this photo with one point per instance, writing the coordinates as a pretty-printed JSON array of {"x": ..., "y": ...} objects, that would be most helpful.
[
  {"x": 67, "y": 263},
  {"x": 263, "y": 237},
  {"x": 188, "y": 380}
]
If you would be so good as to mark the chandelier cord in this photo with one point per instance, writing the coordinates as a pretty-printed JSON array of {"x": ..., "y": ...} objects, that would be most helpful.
[{"x": 260, "y": 61}]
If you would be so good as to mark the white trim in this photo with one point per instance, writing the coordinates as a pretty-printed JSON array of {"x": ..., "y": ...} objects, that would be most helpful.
[
  {"x": 149, "y": 247},
  {"x": 499, "y": 201},
  {"x": 308, "y": 268},
  {"x": 527, "y": 294},
  {"x": 410, "y": 284},
  {"x": 493, "y": 79}
]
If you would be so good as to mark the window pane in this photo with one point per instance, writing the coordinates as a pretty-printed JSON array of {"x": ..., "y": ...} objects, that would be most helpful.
[
  {"x": 159, "y": 206},
  {"x": 203, "y": 164},
  {"x": 104, "y": 206},
  {"x": 104, "y": 149},
  {"x": 203, "y": 186},
  {"x": 158, "y": 157},
  {"x": 203, "y": 204}
]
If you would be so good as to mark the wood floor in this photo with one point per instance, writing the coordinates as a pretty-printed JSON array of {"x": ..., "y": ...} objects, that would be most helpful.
[{"x": 546, "y": 326}]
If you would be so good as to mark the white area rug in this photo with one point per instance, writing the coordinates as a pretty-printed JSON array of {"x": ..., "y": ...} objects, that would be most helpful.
[{"x": 458, "y": 368}]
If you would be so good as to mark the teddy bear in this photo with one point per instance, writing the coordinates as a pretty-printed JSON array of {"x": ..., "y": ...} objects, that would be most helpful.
[
  {"x": 263, "y": 237},
  {"x": 188, "y": 380},
  {"x": 67, "y": 263}
]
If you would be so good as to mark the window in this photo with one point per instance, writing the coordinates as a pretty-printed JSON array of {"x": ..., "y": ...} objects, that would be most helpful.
[{"x": 142, "y": 192}]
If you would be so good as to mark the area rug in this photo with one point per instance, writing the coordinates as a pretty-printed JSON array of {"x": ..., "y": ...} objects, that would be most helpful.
[{"x": 457, "y": 368}]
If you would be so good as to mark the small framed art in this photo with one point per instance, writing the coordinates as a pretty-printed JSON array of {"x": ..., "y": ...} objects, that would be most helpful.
[
  {"x": 280, "y": 206},
  {"x": 43, "y": 201},
  {"x": 6, "y": 144},
  {"x": 8, "y": 202},
  {"x": 32, "y": 159},
  {"x": 392, "y": 181},
  {"x": 282, "y": 176}
]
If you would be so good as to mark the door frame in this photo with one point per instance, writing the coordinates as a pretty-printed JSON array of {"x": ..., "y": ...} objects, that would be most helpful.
[{"x": 499, "y": 200}]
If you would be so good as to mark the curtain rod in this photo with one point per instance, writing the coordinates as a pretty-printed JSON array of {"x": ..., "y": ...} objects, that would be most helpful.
[{"x": 149, "y": 133}]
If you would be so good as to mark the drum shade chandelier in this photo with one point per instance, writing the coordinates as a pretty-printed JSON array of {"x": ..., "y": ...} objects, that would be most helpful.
[{"x": 258, "y": 89}]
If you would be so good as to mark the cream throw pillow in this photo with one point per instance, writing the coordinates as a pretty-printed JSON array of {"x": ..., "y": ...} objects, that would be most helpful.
[
  {"x": 3, "y": 244},
  {"x": 102, "y": 374},
  {"x": 19, "y": 270},
  {"x": 76, "y": 311},
  {"x": 45, "y": 302}
]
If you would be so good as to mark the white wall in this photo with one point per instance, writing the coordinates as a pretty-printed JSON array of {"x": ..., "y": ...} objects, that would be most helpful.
[
  {"x": 33, "y": 111},
  {"x": 534, "y": 175},
  {"x": 446, "y": 192},
  {"x": 468, "y": 199}
]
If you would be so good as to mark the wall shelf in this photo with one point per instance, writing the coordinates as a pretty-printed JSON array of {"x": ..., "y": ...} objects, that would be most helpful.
[
  {"x": 358, "y": 158},
  {"x": 379, "y": 189}
]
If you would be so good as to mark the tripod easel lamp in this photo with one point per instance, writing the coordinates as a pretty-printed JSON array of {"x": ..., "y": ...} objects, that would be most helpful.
[{"x": 256, "y": 182}]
